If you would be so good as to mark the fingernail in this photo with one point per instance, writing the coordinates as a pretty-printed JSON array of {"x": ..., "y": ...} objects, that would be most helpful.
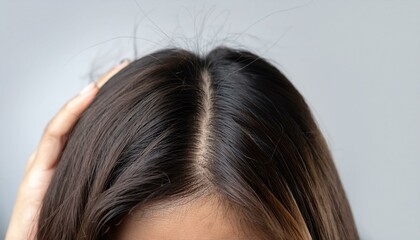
[
  {"x": 124, "y": 61},
  {"x": 87, "y": 88}
]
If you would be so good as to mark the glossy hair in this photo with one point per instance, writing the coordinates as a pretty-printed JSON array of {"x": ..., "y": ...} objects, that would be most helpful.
[{"x": 176, "y": 125}]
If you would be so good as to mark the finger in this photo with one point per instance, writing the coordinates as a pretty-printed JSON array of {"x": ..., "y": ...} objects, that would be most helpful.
[
  {"x": 54, "y": 136},
  {"x": 104, "y": 78}
]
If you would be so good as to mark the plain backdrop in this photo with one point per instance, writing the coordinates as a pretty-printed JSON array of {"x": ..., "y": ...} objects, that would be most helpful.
[{"x": 356, "y": 63}]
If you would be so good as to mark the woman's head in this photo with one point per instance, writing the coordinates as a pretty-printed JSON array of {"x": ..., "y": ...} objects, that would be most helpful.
[{"x": 224, "y": 135}]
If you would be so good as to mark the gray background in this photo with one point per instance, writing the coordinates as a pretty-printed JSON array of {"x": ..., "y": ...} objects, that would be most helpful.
[{"x": 355, "y": 62}]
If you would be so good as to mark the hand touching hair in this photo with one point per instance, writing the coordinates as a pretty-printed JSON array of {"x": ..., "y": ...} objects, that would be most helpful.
[{"x": 175, "y": 125}]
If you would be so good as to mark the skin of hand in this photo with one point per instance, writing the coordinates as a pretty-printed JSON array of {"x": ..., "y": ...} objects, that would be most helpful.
[{"x": 41, "y": 164}]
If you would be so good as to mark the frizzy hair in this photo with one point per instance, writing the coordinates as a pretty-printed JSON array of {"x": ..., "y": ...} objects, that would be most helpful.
[{"x": 174, "y": 125}]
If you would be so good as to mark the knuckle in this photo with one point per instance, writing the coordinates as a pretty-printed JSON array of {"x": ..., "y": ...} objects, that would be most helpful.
[
  {"x": 70, "y": 109},
  {"x": 51, "y": 133}
]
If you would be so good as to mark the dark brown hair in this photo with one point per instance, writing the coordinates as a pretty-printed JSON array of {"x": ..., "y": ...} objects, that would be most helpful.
[{"x": 175, "y": 124}]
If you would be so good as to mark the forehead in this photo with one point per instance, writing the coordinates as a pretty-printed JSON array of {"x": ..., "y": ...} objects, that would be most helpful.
[{"x": 201, "y": 219}]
